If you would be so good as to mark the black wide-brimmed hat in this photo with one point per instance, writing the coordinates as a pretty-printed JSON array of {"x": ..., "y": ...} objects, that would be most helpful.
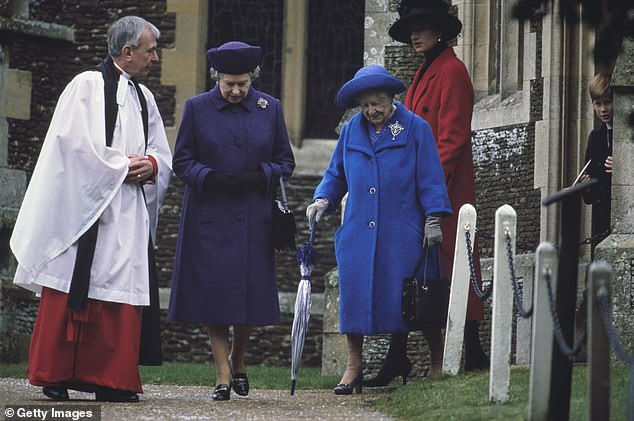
[
  {"x": 369, "y": 78},
  {"x": 235, "y": 58},
  {"x": 424, "y": 11}
]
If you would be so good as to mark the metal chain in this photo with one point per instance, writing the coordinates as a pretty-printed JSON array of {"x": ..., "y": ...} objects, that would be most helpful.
[
  {"x": 596, "y": 238},
  {"x": 602, "y": 300},
  {"x": 559, "y": 336},
  {"x": 482, "y": 295},
  {"x": 517, "y": 295}
]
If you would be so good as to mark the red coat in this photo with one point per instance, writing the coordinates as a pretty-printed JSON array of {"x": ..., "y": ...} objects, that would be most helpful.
[{"x": 443, "y": 96}]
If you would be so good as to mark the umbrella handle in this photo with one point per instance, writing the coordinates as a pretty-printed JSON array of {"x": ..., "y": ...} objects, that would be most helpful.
[
  {"x": 311, "y": 231},
  {"x": 283, "y": 192}
]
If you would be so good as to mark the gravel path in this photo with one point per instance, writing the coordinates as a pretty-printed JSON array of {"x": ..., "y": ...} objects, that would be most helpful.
[{"x": 194, "y": 403}]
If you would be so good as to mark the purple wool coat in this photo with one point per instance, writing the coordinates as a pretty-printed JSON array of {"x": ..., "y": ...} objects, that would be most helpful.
[{"x": 224, "y": 271}]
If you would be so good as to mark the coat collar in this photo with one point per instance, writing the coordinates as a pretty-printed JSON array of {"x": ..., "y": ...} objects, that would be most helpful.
[
  {"x": 436, "y": 64},
  {"x": 249, "y": 103},
  {"x": 422, "y": 80}
]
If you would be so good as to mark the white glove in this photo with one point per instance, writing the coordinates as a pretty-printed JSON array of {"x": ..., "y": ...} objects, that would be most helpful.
[
  {"x": 433, "y": 235},
  {"x": 316, "y": 209}
]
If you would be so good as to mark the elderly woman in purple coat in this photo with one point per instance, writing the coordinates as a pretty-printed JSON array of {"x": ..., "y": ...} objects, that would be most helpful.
[
  {"x": 386, "y": 160},
  {"x": 232, "y": 147}
]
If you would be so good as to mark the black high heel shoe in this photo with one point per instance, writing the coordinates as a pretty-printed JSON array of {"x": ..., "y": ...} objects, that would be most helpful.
[
  {"x": 389, "y": 371},
  {"x": 222, "y": 392},
  {"x": 347, "y": 388}
]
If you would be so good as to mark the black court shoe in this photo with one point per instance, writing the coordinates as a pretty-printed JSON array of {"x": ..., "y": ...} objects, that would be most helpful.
[
  {"x": 57, "y": 393},
  {"x": 240, "y": 384},
  {"x": 347, "y": 388},
  {"x": 239, "y": 381},
  {"x": 221, "y": 392},
  {"x": 107, "y": 394}
]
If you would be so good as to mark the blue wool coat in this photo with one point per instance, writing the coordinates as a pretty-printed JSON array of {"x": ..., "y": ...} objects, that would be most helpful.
[
  {"x": 224, "y": 272},
  {"x": 391, "y": 186}
]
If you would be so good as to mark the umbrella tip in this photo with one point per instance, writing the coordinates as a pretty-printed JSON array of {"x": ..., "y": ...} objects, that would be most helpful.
[{"x": 293, "y": 387}]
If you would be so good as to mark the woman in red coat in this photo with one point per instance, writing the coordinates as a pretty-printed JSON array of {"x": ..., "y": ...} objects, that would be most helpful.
[{"x": 442, "y": 94}]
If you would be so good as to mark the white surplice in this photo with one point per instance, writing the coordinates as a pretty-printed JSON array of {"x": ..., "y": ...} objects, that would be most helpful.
[{"x": 78, "y": 180}]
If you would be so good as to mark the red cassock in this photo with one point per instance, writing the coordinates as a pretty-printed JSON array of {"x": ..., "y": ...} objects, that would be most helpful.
[
  {"x": 443, "y": 96},
  {"x": 96, "y": 346}
]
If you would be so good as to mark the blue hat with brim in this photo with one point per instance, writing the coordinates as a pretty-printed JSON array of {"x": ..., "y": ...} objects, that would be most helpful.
[
  {"x": 368, "y": 78},
  {"x": 235, "y": 58}
]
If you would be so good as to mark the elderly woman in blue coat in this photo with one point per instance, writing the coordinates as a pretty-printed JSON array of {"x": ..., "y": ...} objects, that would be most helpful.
[
  {"x": 386, "y": 160},
  {"x": 231, "y": 149}
]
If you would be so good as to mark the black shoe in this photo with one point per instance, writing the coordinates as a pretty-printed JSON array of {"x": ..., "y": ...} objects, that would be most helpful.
[
  {"x": 221, "y": 392},
  {"x": 389, "y": 371},
  {"x": 106, "y": 394},
  {"x": 240, "y": 384},
  {"x": 57, "y": 393},
  {"x": 475, "y": 358},
  {"x": 347, "y": 388}
]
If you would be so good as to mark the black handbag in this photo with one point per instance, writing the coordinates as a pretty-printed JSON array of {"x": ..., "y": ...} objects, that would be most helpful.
[
  {"x": 425, "y": 302},
  {"x": 283, "y": 222}
]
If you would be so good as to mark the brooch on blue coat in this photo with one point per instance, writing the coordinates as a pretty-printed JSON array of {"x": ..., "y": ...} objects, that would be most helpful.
[
  {"x": 262, "y": 103},
  {"x": 396, "y": 129}
]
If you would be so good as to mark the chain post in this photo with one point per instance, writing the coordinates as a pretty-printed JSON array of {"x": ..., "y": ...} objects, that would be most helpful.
[
  {"x": 542, "y": 334},
  {"x": 599, "y": 274},
  {"x": 462, "y": 270},
  {"x": 502, "y": 317}
]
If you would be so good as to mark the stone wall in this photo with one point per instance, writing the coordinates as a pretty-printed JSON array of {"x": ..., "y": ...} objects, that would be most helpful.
[{"x": 53, "y": 64}]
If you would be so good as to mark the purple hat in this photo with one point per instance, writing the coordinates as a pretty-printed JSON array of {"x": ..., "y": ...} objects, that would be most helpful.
[
  {"x": 369, "y": 78},
  {"x": 435, "y": 12},
  {"x": 234, "y": 58}
]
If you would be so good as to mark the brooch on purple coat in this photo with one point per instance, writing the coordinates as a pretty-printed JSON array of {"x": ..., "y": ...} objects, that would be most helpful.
[
  {"x": 262, "y": 103},
  {"x": 396, "y": 129}
]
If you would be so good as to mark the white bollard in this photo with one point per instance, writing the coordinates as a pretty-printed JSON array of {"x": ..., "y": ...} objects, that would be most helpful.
[
  {"x": 502, "y": 320},
  {"x": 460, "y": 285},
  {"x": 542, "y": 342}
]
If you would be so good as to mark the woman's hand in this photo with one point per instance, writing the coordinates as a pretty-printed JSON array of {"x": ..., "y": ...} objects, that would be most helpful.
[
  {"x": 433, "y": 234},
  {"x": 316, "y": 209}
]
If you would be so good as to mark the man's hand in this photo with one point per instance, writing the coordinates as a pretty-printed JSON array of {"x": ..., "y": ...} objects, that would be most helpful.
[
  {"x": 608, "y": 164},
  {"x": 140, "y": 169}
]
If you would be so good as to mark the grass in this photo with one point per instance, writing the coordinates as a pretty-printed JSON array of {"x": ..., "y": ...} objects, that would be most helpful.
[
  {"x": 191, "y": 374},
  {"x": 464, "y": 397}
]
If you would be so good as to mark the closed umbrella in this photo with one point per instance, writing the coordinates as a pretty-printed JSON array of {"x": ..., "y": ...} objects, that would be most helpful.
[{"x": 306, "y": 260}]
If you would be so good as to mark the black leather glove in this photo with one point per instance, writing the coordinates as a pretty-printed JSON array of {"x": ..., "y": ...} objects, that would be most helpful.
[
  {"x": 234, "y": 183},
  {"x": 255, "y": 179},
  {"x": 433, "y": 234}
]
